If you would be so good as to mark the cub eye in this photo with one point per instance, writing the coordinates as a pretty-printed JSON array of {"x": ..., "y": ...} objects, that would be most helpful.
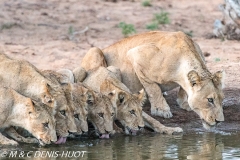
[
  {"x": 63, "y": 112},
  {"x": 100, "y": 115},
  {"x": 210, "y": 100},
  {"x": 76, "y": 116},
  {"x": 132, "y": 112},
  {"x": 45, "y": 124},
  {"x": 112, "y": 114}
]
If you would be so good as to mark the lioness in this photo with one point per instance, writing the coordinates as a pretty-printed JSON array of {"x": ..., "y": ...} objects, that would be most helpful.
[
  {"x": 128, "y": 106},
  {"x": 161, "y": 61},
  {"x": 17, "y": 110}
]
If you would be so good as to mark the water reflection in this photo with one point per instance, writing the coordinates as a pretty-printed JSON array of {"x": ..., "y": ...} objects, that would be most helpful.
[{"x": 151, "y": 146}]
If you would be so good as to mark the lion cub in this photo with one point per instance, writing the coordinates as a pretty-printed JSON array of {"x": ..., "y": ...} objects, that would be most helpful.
[
  {"x": 128, "y": 106},
  {"x": 17, "y": 110}
]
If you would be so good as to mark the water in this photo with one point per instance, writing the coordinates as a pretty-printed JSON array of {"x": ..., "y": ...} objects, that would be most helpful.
[{"x": 194, "y": 146}]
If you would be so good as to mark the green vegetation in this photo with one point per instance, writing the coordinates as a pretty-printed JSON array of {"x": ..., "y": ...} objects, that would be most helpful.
[
  {"x": 162, "y": 18},
  {"x": 8, "y": 26},
  {"x": 152, "y": 26},
  {"x": 127, "y": 29},
  {"x": 217, "y": 59},
  {"x": 70, "y": 30},
  {"x": 146, "y": 3},
  {"x": 159, "y": 18},
  {"x": 189, "y": 33}
]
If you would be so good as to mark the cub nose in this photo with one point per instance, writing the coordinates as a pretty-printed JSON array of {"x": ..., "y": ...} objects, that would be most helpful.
[
  {"x": 107, "y": 131},
  {"x": 217, "y": 122},
  {"x": 140, "y": 127}
]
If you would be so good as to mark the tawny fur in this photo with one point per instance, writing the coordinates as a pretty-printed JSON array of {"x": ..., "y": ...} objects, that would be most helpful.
[
  {"x": 161, "y": 61},
  {"x": 18, "y": 110}
]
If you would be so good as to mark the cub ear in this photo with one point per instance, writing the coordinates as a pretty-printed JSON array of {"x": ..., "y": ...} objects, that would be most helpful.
[
  {"x": 142, "y": 97},
  {"x": 122, "y": 97},
  {"x": 30, "y": 108},
  {"x": 218, "y": 79},
  {"x": 111, "y": 94},
  {"x": 106, "y": 87},
  {"x": 194, "y": 78},
  {"x": 90, "y": 97}
]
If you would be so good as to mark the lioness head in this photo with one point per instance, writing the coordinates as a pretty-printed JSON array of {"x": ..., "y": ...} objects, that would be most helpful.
[
  {"x": 206, "y": 97},
  {"x": 128, "y": 106},
  {"x": 41, "y": 122},
  {"x": 101, "y": 114},
  {"x": 81, "y": 99}
]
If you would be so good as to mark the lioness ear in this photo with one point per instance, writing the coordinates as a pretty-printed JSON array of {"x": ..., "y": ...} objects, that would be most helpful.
[
  {"x": 218, "y": 79},
  {"x": 194, "y": 78},
  {"x": 142, "y": 96}
]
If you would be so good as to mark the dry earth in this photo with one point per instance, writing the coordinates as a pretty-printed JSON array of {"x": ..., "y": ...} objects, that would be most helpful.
[{"x": 38, "y": 31}]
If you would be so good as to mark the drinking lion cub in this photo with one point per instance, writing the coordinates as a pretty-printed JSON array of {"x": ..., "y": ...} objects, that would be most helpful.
[{"x": 17, "y": 110}]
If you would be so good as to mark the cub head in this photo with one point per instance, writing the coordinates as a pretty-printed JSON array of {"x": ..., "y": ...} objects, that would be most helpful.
[
  {"x": 206, "y": 97},
  {"x": 128, "y": 107},
  {"x": 129, "y": 110},
  {"x": 64, "y": 114},
  {"x": 101, "y": 114},
  {"x": 82, "y": 97},
  {"x": 65, "y": 122},
  {"x": 41, "y": 123}
]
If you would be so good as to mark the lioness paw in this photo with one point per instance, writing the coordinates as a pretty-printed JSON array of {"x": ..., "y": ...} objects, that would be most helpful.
[{"x": 161, "y": 113}]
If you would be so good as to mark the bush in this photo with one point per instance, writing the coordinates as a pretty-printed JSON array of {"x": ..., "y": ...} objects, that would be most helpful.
[{"x": 127, "y": 29}]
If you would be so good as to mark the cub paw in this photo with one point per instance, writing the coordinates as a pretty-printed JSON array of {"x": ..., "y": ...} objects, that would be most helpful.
[
  {"x": 170, "y": 130},
  {"x": 30, "y": 140},
  {"x": 161, "y": 113},
  {"x": 185, "y": 106}
]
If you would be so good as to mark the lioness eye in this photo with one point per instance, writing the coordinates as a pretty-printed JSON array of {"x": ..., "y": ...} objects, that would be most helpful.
[
  {"x": 63, "y": 112},
  {"x": 132, "y": 112},
  {"x": 45, "y": 124},
  {"x": 210, "y": 100},
  {"x": 100, "y": 115},
  {"x": 76, "y": 116}
]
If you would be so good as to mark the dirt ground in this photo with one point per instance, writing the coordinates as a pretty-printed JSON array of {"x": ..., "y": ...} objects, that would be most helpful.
[{"x": 42, "y": 33}]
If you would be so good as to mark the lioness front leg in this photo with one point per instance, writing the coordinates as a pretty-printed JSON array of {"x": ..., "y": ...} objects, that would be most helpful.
[
  {"x": 182, "y": 99},
  {"x": 13, "y": 134},
  {"x": 159, "y": 106},
  {"x": 5, "y": 141},
  {"x": 157, "y": 126}
]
